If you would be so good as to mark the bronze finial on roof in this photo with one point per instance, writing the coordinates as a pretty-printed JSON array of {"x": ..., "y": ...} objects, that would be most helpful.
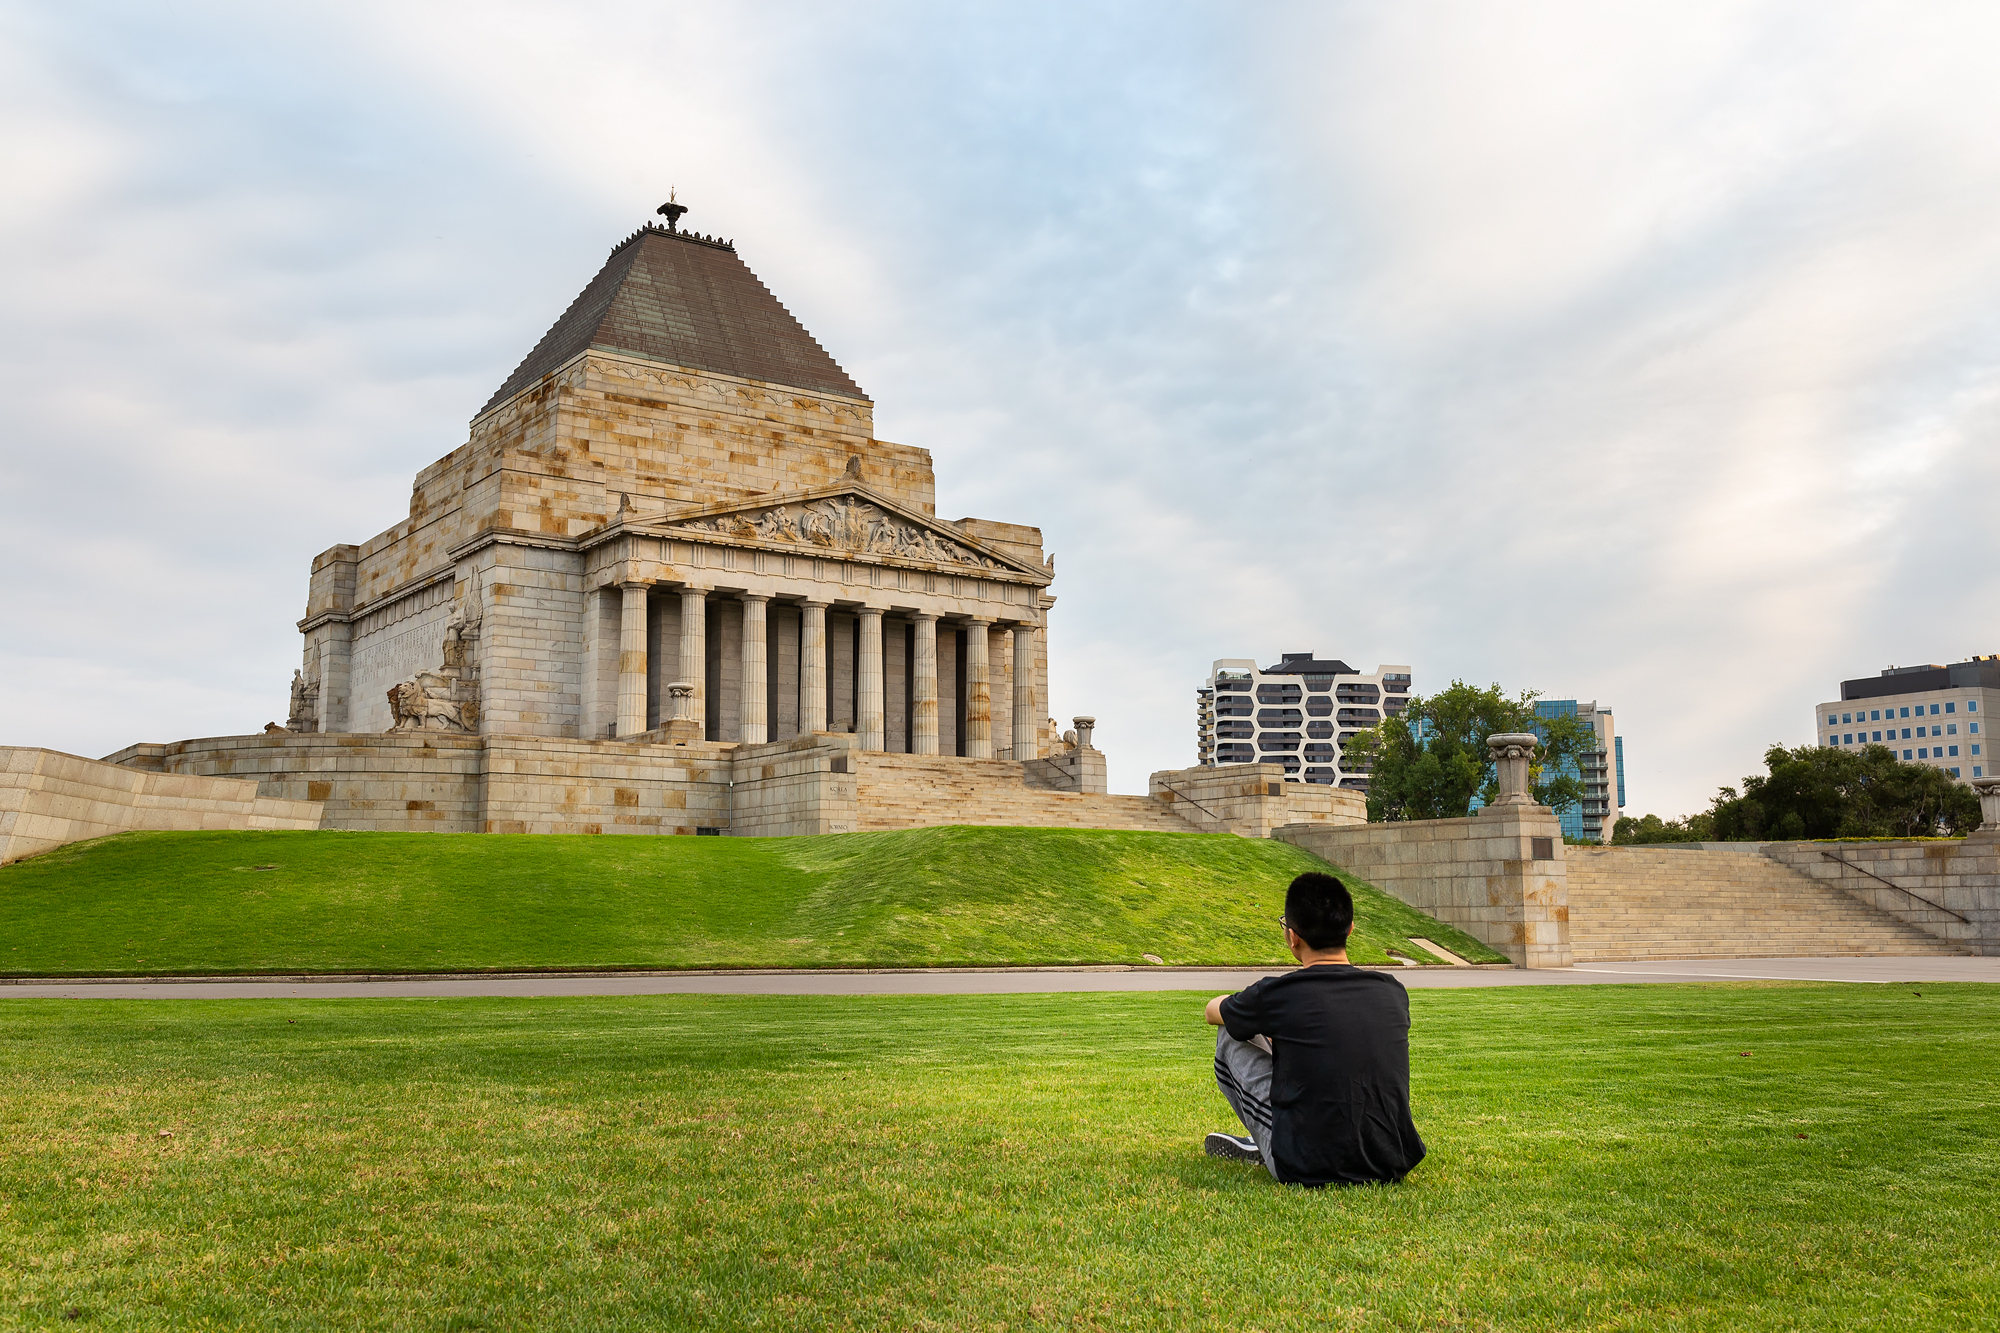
[{"x": 671, "y": 211}]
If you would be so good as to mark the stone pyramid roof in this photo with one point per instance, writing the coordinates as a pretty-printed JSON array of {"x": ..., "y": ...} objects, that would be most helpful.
[{"x": 686, "y": 300}]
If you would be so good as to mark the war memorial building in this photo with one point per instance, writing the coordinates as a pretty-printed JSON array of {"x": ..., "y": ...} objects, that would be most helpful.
[{"x": 673, "y": 583}]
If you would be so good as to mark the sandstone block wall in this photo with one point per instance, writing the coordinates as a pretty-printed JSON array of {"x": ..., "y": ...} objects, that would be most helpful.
[
  {"x": 1252, "y": 799},
  {"x": 1481, "y": 874},
  {"x": 1949, "y": 889},
  {"x": 48, "y": 798},
  {"x": 387, "y": 782}
]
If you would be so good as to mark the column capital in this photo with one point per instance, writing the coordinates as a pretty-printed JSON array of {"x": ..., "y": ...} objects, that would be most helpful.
[
  {"x": 988, "y": 621},
  {"x": 814, "y": 601},
  {"x": 922, "y": 616},
  {"x": 753, "y": 596},
  {"x": 866, "y": 611},
  {"x": 629, "y": 585}
]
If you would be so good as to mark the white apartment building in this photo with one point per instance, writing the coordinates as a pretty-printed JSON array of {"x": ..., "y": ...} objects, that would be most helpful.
[
  {"x": 1927, "y": 714},
  {"x": 1300, "y": 713}
]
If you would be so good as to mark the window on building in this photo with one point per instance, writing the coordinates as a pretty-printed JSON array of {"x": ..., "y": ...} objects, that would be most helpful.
[
  {"x": 1906, "y": 754},
  {"x": 1952, "y": 750},
  {"x": 1848, "y": 718},
  {"x": 1923, "y": 754},
  {"x": 1877, "y": 736},
  {"x": 1972, "y": 727},
  {"x": 1934, "y": 709},
  {"x": 1975, "y": 770},
  {"x": 1833, "y": 719},
  {"x": 1972, "y": 705},
  {"x": 1951, "y": 728},
  {"x": 1875, "y": 715},
  {"x": 1951, "y": 706},
  {"x": 1954, "y": 772},
  {"x": 1847, "y": 739}
]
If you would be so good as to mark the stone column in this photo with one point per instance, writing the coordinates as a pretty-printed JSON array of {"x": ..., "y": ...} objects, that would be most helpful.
[
  {"x": 1084, "y": 726},
  {"x": 924, "y": 688},
  {"x": 1027, "y": 725},
  {"x": 812, "y": 667},
  {"x": 1989, "y": 804},
  {"x": 978, "y": 692},
  {"x": 694, "y": 652},
  {"x": 632, "y": 660},
  {"x": 868, "y": 681},
  {"x": 755, "y": 726},
  {"x": 1512, "y": 752}
]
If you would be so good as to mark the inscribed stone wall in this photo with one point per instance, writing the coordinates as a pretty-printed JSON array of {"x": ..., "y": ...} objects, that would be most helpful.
[{"x": 392, "y": 644}]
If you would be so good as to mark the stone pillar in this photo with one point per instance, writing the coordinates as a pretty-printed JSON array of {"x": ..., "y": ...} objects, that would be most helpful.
[
  {"x": 978, "y": 692},
  {"x": 755, "y": 725},
  {"x": 694, "y": 652},
  {"x": 1989, "y": 804},
  {"x": 924, "y": 687},
  {"x": 632, "y": 660},
  {"x": 812, "y": 667},
  {"x": 1084, "y": 726},
  {"x": 682, "y": 725},
  {"x": 1512, "y": 752},
  {"x": 1027, "y": 722},
  {"x": 868, "y": 722}
]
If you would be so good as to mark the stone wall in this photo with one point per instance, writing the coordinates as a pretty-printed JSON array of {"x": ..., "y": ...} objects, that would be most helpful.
[
  {"x": 451, "y": 782},
  {"x": 1949, "y": 888},
  {"x": 1252, "y": 799},
  {"x": 1499, "y": 875},
  {"x": 48, "y": 798}
]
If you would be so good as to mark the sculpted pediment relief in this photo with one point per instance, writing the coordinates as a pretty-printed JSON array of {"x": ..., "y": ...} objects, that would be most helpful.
[{"x": 849, "y": 522}]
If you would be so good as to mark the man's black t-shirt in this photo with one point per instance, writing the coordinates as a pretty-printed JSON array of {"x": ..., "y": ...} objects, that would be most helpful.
[{"x": 1340, "y": 1079}]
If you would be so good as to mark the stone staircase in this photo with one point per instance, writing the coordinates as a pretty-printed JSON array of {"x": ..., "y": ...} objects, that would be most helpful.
[
  {"x": 897, "y": 791},
  {"x": 1630, "y": 903}
]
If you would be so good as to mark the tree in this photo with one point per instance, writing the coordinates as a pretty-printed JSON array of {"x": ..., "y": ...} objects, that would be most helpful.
[
  {"x": 1819, "y": 791},
  {"x": 1430, "y": 760},
  {"x": 1651, "y": 828}
]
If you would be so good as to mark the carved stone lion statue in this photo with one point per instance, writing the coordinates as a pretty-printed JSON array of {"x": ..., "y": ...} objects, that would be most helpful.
[{"x": 424, "y": 703}]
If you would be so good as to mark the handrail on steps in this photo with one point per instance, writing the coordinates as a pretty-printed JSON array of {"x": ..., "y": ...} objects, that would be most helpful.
[
  {"x": 1935, "y": 907},
  {"x": 1193, "y": 802}
]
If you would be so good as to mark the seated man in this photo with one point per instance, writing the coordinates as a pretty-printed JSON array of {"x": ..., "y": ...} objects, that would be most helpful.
[{"x": 1316, "y": 1062}]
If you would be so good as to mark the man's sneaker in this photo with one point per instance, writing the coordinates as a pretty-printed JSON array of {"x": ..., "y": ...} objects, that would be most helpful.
[{"x": 1232, "y": 1147}]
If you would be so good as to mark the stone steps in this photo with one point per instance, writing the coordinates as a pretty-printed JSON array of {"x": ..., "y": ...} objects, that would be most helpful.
[{"x": 1630, "y": 903}]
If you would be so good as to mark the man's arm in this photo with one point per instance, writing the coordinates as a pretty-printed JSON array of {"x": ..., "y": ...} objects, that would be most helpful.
[{"x": 1214, "y": 1011}]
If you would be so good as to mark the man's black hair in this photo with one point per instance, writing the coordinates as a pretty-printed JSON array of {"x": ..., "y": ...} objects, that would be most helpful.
[{"x": 1320, "y": 910}]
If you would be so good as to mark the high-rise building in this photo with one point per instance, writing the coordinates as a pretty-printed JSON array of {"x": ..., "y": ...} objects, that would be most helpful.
[
  {"x": 1602, "y": 769},
  {"x": 1927, "y": 714},
  {"x": 1300, "y": 713}
]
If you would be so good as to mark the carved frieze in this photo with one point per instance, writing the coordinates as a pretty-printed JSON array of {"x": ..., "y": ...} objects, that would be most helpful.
[{"x": 842, "y": 523}]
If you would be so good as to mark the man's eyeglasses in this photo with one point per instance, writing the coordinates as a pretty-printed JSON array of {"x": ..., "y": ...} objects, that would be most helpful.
[{"x": 1284, "y": 924}]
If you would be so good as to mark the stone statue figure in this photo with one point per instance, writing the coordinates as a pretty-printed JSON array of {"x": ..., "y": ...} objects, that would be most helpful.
[
  {"x": 304, "y": 715},
  {"x": 457, "y": 630},
  {"x": 425, "y": 702}
]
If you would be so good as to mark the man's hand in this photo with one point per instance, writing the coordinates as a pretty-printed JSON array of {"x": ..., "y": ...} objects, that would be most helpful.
[{"x": 1214, "y": 1011}]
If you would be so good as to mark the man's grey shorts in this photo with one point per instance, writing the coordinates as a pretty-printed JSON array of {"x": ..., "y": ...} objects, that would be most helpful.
[{"x": 1243, "y": 1072}]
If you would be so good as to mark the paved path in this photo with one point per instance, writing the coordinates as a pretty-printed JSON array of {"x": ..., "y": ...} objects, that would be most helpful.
[{"x": 1005, "y": 981}]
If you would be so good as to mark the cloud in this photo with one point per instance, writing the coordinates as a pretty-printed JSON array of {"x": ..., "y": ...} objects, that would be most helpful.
[{"x": 1642, "y": 353}]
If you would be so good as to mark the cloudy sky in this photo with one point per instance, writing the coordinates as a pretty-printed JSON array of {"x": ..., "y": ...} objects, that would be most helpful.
[{"x": 1641, "y": 352}]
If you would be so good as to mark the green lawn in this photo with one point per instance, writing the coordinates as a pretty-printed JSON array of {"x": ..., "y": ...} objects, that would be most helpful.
[
  {"x": 1601, "y": 1158},
  {"x": 194, "y": 903}
]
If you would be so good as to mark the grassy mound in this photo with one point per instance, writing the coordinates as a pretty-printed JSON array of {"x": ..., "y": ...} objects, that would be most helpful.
[{"x": 197, "y": 903}]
